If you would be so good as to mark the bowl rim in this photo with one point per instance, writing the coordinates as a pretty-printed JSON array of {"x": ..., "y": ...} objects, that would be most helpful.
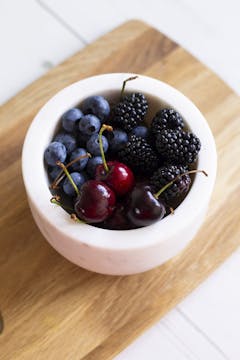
[{"x": 35, "y": 178}]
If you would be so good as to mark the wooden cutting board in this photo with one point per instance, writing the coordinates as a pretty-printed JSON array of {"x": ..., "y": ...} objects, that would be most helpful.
[{"x": 55, "y": 310}]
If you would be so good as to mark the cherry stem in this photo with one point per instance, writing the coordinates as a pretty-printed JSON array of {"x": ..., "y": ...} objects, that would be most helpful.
[
  {"x": 61, "y": 174},
  {"x": 124, "y": 84},
  {"x": 57, "y": 181},
  {"x": 68, "y": 176},
  {"x": 56, "y": 197},
  {"x": 75, "y": 218},
  {"x": 177, "y": 178},
  {"x": 56, "y": 201},
  {"x": 103, "y": 128},
  {"x": 79, "y": 158}
]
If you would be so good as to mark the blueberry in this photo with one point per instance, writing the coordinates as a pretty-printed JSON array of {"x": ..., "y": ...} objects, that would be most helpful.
[
  {"x": 96, "y": 105},
  {"x": 70, "y": 119},
  {"x": 55, "y": 151},
  {"x": 117, "y": 139},
  {"x": 92, "y": 164},
  {"x": 67, "y": 140},
  {"x": 81, "y": 163},
  {"x": 54, "y": 171},
  {"x": 89, "y": 124},
  {"x": 140, "y": 131},
  {"x": 82, "y": 139},
  {"x": 78, "y": 178},
  {"x": 93, "y": 145}
]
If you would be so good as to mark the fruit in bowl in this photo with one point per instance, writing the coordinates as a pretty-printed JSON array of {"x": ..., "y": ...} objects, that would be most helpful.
[
  {"x": 120, "y": 163},
  {"x": 161, "y": 153}
]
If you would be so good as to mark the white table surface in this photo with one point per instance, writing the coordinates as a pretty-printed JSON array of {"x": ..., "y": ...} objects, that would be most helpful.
[{"x": 36, "y": 35}]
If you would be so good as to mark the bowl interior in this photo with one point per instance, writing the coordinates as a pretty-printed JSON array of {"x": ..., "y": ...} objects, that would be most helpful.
[{"x": 154, "y": 104}]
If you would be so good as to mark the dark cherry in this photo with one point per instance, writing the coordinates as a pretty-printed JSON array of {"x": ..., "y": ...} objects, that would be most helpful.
[
  {"x": 118, "y": 176},
  {"x": 95, "y": 203},
  {"x": 118, "y": 220},
  {"x": 143, "y": 207}
]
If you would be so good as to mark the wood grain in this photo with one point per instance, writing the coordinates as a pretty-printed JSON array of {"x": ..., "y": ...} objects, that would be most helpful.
[{"x": 53, "y": 309}]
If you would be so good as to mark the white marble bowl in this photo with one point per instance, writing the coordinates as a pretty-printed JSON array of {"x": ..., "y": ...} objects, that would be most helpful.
[{"x": 111, "y": 251}]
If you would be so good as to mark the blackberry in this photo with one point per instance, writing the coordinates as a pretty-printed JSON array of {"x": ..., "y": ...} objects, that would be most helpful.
[
  {"x": 178, "y": 146},
  {"x": 167, "y": 173},
  {"x": 138, "y": 155},
  {"x": 166, "y": 119},
  {"x": 130, "y": 112}
]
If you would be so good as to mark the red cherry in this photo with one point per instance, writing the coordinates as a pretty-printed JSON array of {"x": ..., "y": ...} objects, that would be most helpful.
[
  {"x": 119, "y": 177},
  {"x": 95, "y": 203}
]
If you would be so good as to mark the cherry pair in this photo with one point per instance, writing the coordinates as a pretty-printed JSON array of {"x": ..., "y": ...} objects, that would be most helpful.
[{"x": 97, "y": 199}]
